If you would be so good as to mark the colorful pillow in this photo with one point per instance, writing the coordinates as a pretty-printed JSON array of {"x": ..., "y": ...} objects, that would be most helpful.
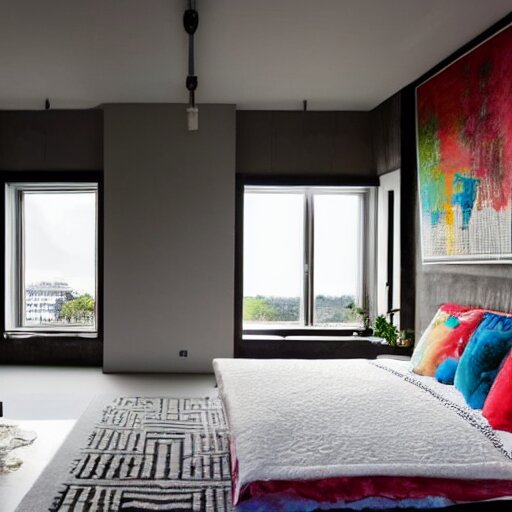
[
  {"x": 446, "y": 336},
  {"x": 498, "y": 405},
  {"x": 445, "y": 373},
  {"x": 484, "y": 353}
]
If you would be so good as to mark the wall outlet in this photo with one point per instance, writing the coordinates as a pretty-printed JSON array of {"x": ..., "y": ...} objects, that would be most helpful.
[{"x": 183, "y": 353}]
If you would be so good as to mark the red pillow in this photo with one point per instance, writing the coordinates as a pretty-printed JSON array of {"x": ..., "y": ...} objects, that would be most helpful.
[{"x": 498, "y": 404}]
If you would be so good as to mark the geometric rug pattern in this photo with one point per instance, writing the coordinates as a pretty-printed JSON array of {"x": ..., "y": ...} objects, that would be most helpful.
[{"x": 152, "y": 454}]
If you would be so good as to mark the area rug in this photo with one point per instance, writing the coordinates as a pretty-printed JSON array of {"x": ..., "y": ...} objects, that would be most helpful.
[
  {"x": 138, "y": 454},
  {"x": 12, "y": 437}
]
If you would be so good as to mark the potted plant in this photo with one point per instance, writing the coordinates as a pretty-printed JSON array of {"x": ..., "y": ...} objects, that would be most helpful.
[
  {"x": 362, "y": 314},
  {"x": 385, "y": 329},
  {"x": 406, "y": 338}
]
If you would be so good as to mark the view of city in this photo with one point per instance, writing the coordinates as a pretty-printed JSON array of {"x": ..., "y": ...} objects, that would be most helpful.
[
  {"x": 59, "y": 271},
  {"x": 51, "y": 304}
]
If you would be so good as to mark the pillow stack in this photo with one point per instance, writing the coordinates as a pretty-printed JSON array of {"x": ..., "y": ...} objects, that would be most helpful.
[{"x": 471, "y": 348}]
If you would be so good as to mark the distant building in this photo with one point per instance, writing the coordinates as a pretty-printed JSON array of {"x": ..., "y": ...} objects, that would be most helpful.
[{"x": 44, "y": 300}]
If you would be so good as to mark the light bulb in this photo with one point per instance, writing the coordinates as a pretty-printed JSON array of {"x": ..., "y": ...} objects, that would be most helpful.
[{"x": 193, "y": 118}]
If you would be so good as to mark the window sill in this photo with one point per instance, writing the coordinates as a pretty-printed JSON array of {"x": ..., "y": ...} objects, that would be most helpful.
[
  {"x": 18, "y": 335},
  {"x": 312, "y": 337}
]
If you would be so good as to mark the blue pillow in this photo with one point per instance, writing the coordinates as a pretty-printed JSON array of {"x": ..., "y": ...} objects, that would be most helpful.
[
  {"x": 445, "y": 373},
  {"x": 481, "y": 359}
]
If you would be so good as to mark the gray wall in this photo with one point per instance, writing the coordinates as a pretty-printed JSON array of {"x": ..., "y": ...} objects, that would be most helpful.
[
  {"x": 296, "y": 142},
  {"x": 169, "y": 237}
]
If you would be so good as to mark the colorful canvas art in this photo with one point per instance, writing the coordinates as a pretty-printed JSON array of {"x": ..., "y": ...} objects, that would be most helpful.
[{"x": 464, "y": 143}]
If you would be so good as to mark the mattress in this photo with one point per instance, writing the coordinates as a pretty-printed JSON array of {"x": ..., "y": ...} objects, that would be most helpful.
[{"x": 355, "y": 433}]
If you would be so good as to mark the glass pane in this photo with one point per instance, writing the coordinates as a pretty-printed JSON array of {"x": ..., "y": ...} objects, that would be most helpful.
[
  {"x": 59, "y": 268},
  {"x": 273, "y": 259},
  {"x": 337, "y": 270}
]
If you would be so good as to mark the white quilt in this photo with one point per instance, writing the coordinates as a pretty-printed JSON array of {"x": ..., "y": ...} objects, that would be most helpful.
[{"x": 298, "y": 419}]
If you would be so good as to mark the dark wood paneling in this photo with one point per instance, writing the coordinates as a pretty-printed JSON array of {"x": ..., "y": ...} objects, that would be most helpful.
[
  {"x": 239, "y": 264},
  {"x": 352, "y": 144},
  {"x": 391, "y": 138},
  {"x": 253, "y": 141},
  {"x": 295, "y": 142},
  {"x": 51, "y": 140},
  {"x": 386, "y": 138},
  {"x": 289, "y": 142},
  {"x": 48, "y": 351},
  {"x": 408, "y": 213}
]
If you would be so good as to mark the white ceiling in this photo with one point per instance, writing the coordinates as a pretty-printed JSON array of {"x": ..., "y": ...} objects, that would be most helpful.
[{"x": 261, "y": 54}]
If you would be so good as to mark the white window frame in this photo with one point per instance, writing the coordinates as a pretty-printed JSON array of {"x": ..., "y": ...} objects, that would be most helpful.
[
  {"x": 366, "y": 293},
  {"x": 14, "y": 260}
]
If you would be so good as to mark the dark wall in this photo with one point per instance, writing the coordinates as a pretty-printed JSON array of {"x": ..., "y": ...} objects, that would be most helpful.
[
  {"x": 54, "y": 140},
  {"x": 408, "y": 212},
  {"x": 385, "y": 128},
  {"x": 297, "y": 147},
  {"x": 394, "y": 149},
  {"x": 276, "y": 143},
  {"x": 296, "y": 142},
  {"x": 51, "y": 140}
]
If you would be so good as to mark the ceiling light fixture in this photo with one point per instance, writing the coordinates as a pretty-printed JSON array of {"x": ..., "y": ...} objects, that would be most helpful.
[{"x": 190, "y": 22}]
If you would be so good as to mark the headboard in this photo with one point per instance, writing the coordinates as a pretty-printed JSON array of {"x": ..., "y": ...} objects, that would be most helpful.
[{"x": 487, "y": 286}]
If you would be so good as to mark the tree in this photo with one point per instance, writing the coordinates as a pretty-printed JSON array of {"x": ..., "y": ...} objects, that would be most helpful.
[
  {"x": 79, "y": 308},
  {"x": 256, "y": 308}
]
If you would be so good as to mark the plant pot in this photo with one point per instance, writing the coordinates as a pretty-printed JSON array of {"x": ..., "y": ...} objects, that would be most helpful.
[{"x": 405, "y": 342}]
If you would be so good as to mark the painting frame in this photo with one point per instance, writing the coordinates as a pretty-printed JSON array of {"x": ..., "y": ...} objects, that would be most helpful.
[{"x": 450, "y": 223}]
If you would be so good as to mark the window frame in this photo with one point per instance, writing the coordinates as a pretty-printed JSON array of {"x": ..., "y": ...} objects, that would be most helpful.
[
  {"x": 308, "y": 302},
  {"x": 368, "y": 248},
  {"x": 12, "y": 274}
]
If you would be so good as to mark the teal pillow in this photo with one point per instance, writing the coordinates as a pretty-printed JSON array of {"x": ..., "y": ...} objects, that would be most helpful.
[
  {"x": 480, "y": 361},
  {"x": 445, "y": 373}
]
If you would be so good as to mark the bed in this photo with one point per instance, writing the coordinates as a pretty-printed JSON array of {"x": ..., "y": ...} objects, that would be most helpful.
[{"x": 354, "y": 434}]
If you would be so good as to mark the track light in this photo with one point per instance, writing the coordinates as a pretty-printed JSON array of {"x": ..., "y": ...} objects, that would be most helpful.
[{"x": 190, "y": 22}]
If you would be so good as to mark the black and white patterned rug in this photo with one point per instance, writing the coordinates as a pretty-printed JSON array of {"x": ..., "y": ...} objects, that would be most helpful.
[{"x": 152, "y": 454}]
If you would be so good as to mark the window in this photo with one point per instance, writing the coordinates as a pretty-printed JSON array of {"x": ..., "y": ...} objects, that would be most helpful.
[
  {"x": 51, "y": 257},
  {"x": 304, "y": 263}
]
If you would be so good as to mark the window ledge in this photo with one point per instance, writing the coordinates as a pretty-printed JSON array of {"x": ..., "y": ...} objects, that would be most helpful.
[
  {"x": 312, "y": 337},
  {"x": 17, "y": 335}
]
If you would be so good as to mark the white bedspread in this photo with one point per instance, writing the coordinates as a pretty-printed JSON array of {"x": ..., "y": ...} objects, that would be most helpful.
[{"x": 297, "y": 419}]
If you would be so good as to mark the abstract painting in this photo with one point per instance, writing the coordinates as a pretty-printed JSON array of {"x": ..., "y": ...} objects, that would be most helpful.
[{"x": 464, "y": 150}]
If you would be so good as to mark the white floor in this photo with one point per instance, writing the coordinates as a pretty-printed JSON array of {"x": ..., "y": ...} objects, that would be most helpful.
[{"x": 49, "y": 400}]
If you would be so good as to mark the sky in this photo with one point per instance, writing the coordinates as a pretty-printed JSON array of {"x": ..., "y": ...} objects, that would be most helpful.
[
  {"x": 60, "y": 242},
  {"x": 273, "y": 244},
  {"x": 60, "y": 238}
]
